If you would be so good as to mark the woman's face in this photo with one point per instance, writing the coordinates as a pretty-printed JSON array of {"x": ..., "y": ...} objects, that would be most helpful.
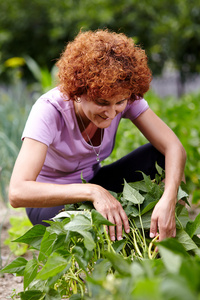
[{"x": 101, "y": 112}]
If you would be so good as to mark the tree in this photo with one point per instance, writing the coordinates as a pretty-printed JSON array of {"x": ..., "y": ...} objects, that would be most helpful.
[{"x": 169, "y": 30}]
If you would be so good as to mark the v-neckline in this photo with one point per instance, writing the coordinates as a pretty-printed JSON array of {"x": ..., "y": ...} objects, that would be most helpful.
[{"x": 93, "y": 133}]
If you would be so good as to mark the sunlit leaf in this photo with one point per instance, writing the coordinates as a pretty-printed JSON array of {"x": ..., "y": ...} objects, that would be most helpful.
[
  {"x": 33, "y": 236},
  {"x": 185, "y": 240},
  {"x": 149, "y": 207},
  {"x": 54, "y": 265},
  {"x": 131, "y": 194},
  {"x": 98, "y": 219},
  {"x": 88, "y": 239},
  {"x": 193, "y": 227},
  {"x": 30, "y": 272},
  {"x": 16, "y": 266}
]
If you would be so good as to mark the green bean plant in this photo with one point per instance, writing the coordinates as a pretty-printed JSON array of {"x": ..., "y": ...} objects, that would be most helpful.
[{"x": 74, "y": 257}]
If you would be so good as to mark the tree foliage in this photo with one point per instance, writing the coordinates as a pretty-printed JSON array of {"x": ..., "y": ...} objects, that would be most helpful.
[{"x": 169, "y": 30}]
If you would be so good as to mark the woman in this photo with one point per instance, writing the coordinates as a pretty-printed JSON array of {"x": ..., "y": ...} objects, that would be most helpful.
[{"x": 71, "y": 129}]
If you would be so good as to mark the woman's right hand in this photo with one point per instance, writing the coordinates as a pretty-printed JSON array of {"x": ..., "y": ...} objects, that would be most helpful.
[{"x": 112, "y": 210}]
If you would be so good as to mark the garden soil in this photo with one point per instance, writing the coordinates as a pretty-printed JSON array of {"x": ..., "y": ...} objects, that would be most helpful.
[{"x": 10, "y": 285}]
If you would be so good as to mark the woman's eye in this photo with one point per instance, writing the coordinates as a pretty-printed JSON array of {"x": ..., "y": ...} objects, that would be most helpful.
[
  {"x": 121, "y": 102},
  {"x": 101, "y": 103}
]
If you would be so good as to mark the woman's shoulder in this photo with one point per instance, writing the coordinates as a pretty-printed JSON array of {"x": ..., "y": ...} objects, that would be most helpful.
[
  {"x": 135, "y": 108},
  {"x": 56, "y": 99}
]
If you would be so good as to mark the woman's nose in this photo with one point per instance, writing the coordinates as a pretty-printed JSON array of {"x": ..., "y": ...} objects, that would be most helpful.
[{"x": 110, "y": 112}]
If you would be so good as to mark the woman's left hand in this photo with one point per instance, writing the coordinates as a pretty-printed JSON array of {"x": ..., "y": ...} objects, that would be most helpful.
[{"x": 163, "y": 220}]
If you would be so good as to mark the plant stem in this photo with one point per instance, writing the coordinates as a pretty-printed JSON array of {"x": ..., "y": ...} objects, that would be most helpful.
[
  {"x": 179, "y": 222},
  {"x": 110, "y": 248},
  {"x": 144, "y": 239}
]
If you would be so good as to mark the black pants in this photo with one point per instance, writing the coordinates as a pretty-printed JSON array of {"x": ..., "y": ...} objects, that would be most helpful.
[{"x": 112, "y": 176}]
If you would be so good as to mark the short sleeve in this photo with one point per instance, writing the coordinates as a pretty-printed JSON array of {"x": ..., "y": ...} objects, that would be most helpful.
[
  {"x": 133, "y": 110},
  {"x": 42, "y": 122}
]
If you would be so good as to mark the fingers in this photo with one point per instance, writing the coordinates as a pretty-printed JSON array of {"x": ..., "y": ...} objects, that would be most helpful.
[
  {"x": 153, "y": 228},
  {"x": 113, "y": 211},
  {"x": 120, "y": 219},
  {"x": 165, "y": 230}
]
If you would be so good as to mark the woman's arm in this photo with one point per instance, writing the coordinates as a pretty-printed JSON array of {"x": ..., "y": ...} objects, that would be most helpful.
[
  {"x": 25, "y": 191},
  {"x": 165, "y": 141}
]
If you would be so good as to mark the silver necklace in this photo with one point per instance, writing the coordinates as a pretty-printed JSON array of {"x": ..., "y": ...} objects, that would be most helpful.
[{"x": 97, "y": 153}]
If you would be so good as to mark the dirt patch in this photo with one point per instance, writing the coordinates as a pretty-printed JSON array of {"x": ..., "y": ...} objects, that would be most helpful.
[{"x": 10, "y": 285}]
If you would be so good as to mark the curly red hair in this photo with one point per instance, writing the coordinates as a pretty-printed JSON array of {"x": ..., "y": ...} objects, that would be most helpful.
[{"x": 102, "y": 64}]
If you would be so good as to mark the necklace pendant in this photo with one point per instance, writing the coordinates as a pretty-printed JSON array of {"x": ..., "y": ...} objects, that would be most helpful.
[{"x": 98, "y": 157}]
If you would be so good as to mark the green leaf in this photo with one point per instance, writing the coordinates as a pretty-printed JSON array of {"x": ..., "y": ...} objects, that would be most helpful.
[
  {"x": 192, "y": 226},
  {"x": 34, "y": 68},
  {"x": 131, "y": 194},
  {"x": 16, "y": 266},
  {"x": 175, "y": 287},
  {"x": 52, "y": 280},
  {"x": 100, "y": 270},
  {"x": 98, "y": 219},
  {"x": 131, "y": 210},
  {"x": 148, "y": 182},
  {"x": 31, "y": 295},
  {"x": 190, "y": 270},
  {"x": 80, "y": 222},
  {"x": 149, "y": 207},
  {"x": 172, "y": 261},
  {"x": 30, "y": 272},
  {"x": 82, "y": 179},
  {"x": 54, "y": 265},
  {"x": 185, "y": 240},
  {"x": 139, "y": 186},
  {"x": 119, "y": 263},
  {"x": 146, "y": 220},
  {"x": 88, "y": 239},
  {"x": 57, "y": 227},
  {"x": 118, "y": 245},
  {"x": 82, "y": 263},
  {"x": 196, "y": 239},
  {"x": 86, "y": 205},
  {"x": 38, "y": 284},
  {"x": 52, "y": 295},
  {"x": 46, "y": 245},
  {"x": 183, "y": 215},
  {"x": 33, "y": 236},
  {"x": 77, "y": 250},
  {"x": 148, "y": 289},
  {"x": 173, "y": 245},
  {"x": 181, "y": 194},
  {"x": 159, "y": 169}
]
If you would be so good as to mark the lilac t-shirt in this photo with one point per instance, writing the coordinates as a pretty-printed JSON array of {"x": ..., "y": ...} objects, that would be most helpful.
[{"x": 52, "y": 121}]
